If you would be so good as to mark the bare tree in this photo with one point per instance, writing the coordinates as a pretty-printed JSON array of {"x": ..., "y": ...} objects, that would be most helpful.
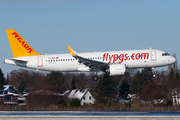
[
  {"x": 32, "y": 78},
  {"x": 152, "y": 91}
]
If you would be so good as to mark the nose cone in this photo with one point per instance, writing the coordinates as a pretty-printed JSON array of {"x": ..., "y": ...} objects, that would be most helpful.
[{"x": 173, "y": 60}]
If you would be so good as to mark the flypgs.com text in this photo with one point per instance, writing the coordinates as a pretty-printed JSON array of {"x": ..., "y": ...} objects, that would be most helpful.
[
  {"x": 121, "y": 57},
  {"x": 23, "y": 42}
]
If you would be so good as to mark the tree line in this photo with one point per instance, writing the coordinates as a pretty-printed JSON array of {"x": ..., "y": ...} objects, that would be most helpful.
[{"x": 107, "y": 90}]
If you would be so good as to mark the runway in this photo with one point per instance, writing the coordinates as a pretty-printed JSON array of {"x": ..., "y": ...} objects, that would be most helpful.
[
  {"x": 89, "y": 118},
  {"x": 78, "y": 115}
]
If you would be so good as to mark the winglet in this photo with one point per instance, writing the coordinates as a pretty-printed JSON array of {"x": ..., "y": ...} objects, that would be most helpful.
[{"x": 73, "y": 53}]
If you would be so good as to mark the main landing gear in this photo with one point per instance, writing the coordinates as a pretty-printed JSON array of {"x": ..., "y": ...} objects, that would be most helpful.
[{"x": 95, "y": 78}]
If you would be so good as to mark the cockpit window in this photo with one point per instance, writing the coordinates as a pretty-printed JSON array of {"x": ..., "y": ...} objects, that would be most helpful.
[{"x": 165, "y": 54}]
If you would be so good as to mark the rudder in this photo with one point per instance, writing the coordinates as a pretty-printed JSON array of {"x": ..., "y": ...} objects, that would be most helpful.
[{"x": 19, "y": 47}]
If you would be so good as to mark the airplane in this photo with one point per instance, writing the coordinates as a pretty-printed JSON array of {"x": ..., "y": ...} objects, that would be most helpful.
[{"x": 110, "y": 62}]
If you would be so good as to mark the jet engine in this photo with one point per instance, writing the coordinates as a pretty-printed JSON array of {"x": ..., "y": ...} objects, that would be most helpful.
[{"x": 116, "y": 69}]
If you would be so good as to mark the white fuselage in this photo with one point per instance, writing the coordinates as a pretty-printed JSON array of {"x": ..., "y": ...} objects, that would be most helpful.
[{"x": 67, "y": 63}]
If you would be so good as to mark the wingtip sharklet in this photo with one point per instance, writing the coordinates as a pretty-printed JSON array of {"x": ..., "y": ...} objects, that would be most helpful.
[{"x": 72, "y": 52}]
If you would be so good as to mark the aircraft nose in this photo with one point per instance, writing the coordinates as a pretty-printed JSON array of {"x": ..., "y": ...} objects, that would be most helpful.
[{"x": 173, "y": 59}]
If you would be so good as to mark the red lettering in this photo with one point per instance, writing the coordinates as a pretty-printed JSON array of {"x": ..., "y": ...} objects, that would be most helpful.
[
  {"x": 145, "y": 54},
  {"x": 132, "y": 56},
  {"x": 137, "y": 56},
  {"x": 104, "y": 56},
  {"x": 110, "y": 58},
  {"x": 126, "y": 56},
  {"x": 26, "y": 47},
  {"x": 15, "y": 34},
  {"x": 23, "y": 43},
  {"x": 115, "y": 58},
  {"x": 30, "y": 50},
  {"x": 121, "y": 58},
  {"x": 19, "y": 39},
  {"x": 107, "y": 56}
]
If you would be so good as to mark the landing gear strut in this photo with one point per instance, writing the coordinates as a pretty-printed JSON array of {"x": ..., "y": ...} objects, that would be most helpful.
[{"x": 153, "y": 72}]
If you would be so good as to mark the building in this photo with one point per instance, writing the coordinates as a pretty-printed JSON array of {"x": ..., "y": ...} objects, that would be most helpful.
[
  {"x": 10, "y": 96},
  {"x": 7, "y": 99},
  {"x": 83, "y": 95}
]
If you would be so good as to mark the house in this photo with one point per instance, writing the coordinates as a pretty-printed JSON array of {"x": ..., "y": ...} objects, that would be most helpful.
[
  {"x": 176, "y": 97},
  {"x": 11, "y": 96},
  {"x": 7, "y": 99},
  {"x": 83, "y": 95}
]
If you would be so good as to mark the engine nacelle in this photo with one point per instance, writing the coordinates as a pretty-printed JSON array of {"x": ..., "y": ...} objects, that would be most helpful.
[{"x": 117, "y": 69}]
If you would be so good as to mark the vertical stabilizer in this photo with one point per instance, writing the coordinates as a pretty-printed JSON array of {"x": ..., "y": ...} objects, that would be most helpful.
[{"x": 19, "y": 46}]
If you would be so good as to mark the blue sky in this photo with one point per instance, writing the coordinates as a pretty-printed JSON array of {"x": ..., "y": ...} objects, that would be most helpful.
[{"x": 90, "y": 25}]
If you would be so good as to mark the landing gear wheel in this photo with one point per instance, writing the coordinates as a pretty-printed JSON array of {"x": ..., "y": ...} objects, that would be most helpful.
[{"x": 95, "y": 78}]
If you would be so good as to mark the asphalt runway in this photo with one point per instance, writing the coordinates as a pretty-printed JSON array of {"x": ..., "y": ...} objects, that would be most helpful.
[{"x": 78, "y": 115}]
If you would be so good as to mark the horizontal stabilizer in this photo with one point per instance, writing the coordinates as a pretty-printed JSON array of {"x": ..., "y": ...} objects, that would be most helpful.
[{"x": 16, "y": 62}]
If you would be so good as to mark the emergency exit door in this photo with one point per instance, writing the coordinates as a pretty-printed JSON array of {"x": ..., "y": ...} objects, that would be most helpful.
[
  {"x": 39, "y": 61},
  {"x": 153, "y": 55}
]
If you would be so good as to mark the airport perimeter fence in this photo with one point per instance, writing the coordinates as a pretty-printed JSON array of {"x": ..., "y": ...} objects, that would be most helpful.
[{"x": 118, "y": 109}]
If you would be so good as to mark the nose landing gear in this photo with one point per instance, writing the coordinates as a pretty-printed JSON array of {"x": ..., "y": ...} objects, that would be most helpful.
[{"x": 153, "y": 72}]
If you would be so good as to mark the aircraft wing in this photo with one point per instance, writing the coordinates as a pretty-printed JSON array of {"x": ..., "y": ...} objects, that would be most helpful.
[{"x": 92, "y": 64}]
